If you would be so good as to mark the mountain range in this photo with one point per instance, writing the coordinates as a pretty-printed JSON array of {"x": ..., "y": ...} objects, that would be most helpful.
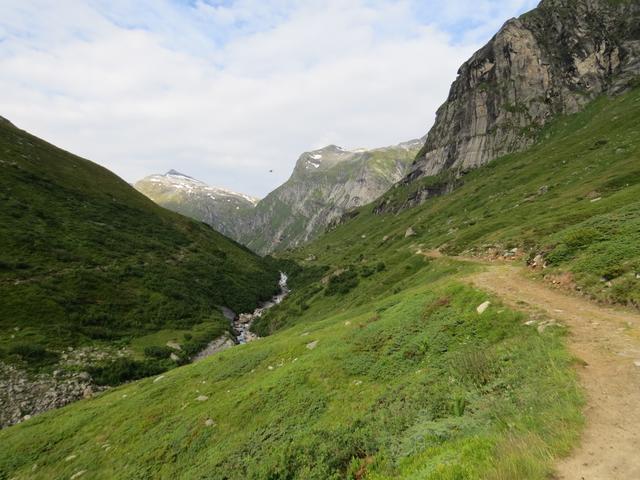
[
  {"x": 223, "y": 209},
  {"x": 325, "y": 184},
  {"x": 464, "y": 306}
]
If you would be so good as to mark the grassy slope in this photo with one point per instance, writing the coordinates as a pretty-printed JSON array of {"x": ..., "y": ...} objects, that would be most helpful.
[
  {"x": 85, "y": 258},
  {"x": 406, "y": 380},
  {"x": 574, "y": 197},
  {"x": 413, "y": 384}
]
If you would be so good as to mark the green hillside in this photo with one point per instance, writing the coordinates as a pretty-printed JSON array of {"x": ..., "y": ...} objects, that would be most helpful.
[
  {"x": 573, "y": 198},
  {"x": 379, "y": 365},
  {"x": 86, "y": 259},
  {"x": 413, "y": 383}
]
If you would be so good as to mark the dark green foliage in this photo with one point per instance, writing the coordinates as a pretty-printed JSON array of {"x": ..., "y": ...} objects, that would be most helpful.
[
  {"x": 158, "y": 352},
  {"x": 125, "y": 370},
  {"x": 86, "y": 258},
  {"x": 342, "y": 283},
  {"x": 33, "y": 354}
]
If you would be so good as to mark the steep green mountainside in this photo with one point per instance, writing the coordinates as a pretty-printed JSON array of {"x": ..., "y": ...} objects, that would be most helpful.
[
  {"x": 224, "y": 210},
  {"x": 86, "y": 259},
  {"x": 378, "y": 364},
  {"x": 324, "y": 185},
  {"x": 570, "y": 203}
]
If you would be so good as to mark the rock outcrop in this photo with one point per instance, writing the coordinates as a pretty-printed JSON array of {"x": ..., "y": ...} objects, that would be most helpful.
[
  {"x": 24, "y": 395},
  {"x": 324, "y": 185},
  {"x": 552, "y": 60}
]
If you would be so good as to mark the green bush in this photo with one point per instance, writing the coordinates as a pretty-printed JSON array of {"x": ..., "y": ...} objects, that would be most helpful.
[
  {"x": 342, "y": 283},
  {"x": 474, "y": 366},
  {"x": 125, "y": 370},
  {"x": 33, "y": 353},
  {"x": 157, "y": 351}
]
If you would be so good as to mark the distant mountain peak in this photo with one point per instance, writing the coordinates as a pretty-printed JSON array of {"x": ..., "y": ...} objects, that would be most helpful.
[{"x": 175, "y": 173}]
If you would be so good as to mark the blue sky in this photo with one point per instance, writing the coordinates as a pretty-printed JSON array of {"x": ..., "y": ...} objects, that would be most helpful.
[{"x": 227, "y": 90}]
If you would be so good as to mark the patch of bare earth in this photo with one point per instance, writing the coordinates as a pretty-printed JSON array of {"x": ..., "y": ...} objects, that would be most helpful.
[{"x": 608, "y": 341}]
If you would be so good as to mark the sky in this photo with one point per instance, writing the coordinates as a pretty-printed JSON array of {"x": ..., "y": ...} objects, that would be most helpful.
[{"x": 226, "y": 91}]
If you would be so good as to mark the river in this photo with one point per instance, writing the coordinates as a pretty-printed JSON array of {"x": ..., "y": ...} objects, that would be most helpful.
[{"x": 242, "y": 323}]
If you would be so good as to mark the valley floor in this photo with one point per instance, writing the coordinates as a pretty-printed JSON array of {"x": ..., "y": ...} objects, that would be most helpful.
[{"x": 607, "y": 341}]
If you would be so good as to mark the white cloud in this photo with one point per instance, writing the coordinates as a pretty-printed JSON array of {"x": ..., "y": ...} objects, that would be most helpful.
[{"x": 227, "y": 93}]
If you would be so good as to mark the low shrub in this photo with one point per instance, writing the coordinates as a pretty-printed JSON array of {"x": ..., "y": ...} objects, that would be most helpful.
[
  {"x": 33, "y": 353},
  {"x": 157, "y": 351},
  {"x": 125, "y": 370},
  {"x": 342, "y": 283}
]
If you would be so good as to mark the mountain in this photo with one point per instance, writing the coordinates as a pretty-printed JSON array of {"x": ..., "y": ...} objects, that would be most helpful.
[
  {"x": 404, "y": 349},
  {"x": 93, "y": 271},
  {"x": 324, "y": 185},
  {"x": 223, "y": 209},
  {"x": 552, "y": 60},
  {"x": 379, "y": 365}
]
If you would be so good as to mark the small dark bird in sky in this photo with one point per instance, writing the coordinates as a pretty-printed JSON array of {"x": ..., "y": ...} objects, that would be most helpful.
[{"x": 270, "y": 171}]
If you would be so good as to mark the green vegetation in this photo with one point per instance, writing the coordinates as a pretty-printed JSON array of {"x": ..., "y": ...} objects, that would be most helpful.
[
  {"x": 573, "y": 197},
  {"x": 86, "y": 259},
  {"x": 378, "y": 365},
  {"x": 413, "y": 384}
]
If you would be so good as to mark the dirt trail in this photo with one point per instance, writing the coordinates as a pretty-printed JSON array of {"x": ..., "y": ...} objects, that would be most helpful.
[{"x": 608, "y": 340}]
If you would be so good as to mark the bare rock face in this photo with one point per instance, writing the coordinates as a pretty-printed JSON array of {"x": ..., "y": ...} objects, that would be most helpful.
[
  {"x": 552, "y": 60},
  {"x": 324, "y": 185}
]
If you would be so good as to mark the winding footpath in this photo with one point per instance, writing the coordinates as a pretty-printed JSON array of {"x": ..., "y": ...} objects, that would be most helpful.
[{"x": 607, "y": 340}]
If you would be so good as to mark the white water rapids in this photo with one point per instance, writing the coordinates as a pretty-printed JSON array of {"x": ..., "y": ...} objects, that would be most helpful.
[{"x": 242, "y": 323}]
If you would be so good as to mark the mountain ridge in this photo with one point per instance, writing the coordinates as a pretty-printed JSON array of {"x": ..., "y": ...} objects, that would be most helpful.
[
  {"x": 219, "y": 207},
  {"x": 552, "y": 60},
  {"x": 324, "y": 184}
]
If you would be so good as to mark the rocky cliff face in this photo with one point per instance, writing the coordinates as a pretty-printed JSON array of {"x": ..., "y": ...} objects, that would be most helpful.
[
  {"x": 324, "y": 185},
  {"x": 222, "y": 209},
  {"x": 552, "y": 60}
]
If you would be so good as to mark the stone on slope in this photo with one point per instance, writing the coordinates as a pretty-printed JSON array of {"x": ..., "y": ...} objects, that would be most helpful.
[{"x": 483, "y": 307}]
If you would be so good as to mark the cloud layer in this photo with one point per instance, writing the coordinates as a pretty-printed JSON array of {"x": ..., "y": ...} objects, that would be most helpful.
[{"x": 228, "y": 91}]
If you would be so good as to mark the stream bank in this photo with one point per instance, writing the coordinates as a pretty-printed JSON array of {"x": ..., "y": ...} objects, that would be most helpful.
[{"x": 241, "y": 324}]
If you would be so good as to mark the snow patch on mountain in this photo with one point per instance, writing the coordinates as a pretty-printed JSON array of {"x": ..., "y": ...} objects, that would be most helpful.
[{"x": 184, "y": 182}]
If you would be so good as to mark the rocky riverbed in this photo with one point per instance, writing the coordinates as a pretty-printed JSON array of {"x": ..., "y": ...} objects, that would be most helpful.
[
  {"x": 23, "y": 395},
  {"x": 242, "y": 323}
]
